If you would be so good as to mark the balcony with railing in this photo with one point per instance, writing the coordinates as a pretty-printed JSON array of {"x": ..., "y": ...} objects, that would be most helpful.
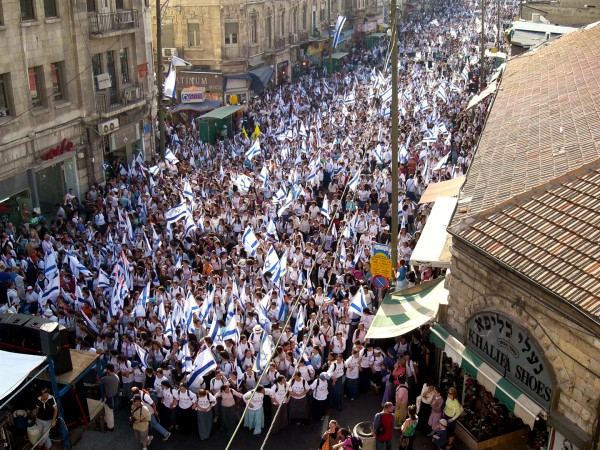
[
  {"x": 114, "y": 100},
  {"x": 303, "y": 36},
  {"x": 104, "y": 23},
  {"x": 234, "y": 52}
]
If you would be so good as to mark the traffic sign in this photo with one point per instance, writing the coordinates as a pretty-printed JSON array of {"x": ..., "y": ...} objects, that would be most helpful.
[
  {"x": 380, "y": 282},
  {"x": 380, "y": 265}
]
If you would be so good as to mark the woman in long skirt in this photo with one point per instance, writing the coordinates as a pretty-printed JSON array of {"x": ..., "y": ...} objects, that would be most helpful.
[
  {"x": 255, "y": 415},
  {"x": 228, "y": 418},
  {"x": 279, "y": 407},
  {"x": 298, "y": 408},
  {"x": 204, "y": 406},
  {"x": 437, "y": 405}
]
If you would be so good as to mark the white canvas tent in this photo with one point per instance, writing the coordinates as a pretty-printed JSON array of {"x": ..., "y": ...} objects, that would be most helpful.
[
  {"x": 433, "y": 247},
  {"x": 15, "y": 368}
]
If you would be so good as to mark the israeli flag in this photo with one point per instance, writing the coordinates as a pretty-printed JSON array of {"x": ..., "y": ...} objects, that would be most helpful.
[
  {"x": 254, "y": 150},
  {"x": 279, "y": 196},
  {"x": 154, "y": 170},
  {"x": 358, "y": 302},
  {"x": 441, "y": 93},
  {"x": 286, "y": 204},
  {"x": 50, "y": 267},
  {"x": 325, "y": 208},
  {"x": 78, "y": 268},
  {"x": 244, "y": 182},
  {"x": 170, "y": 156},
  {"x": 203, "y": 364},
  {"x": 378, "y": 153},
  {"x": 50, "y": 292},
  {"x": 215, "y": 330},
  {"x": 175, "y": 214},
  {"x": 353, "y": 183},
  {"x": 231, "y": 330},
  {"x": 187, "y": 192},
  {"x": 272, "y": 230},
  {"x": 341, "y": 20},
  {"x": 249, "y": 241},
  {"x": 264, "y": 176},
  {"x": 300, "y": 325},
  {"x": 140, "y": 305},
  {"x": 265, "y": 352},
  {"x": 142, "y": 354}
]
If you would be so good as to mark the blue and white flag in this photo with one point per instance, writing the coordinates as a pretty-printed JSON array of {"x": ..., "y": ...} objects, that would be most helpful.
[
  {"x": 441, "y": 93},
  {"x": 325, "y": 208},
  {"x": 169, "y": 84},
  {"x": 175, "y": 214},
  {"x": 188, "y": 194},
  {"x": 254, "y": 150},
  {"x": 339, "y": 25},
  {"x": 378, "y": 153},
  {"x": 299, "y": 321},
  {"x": 353, "y": 183},
  {"x": 249, "y": 241},
  {"x": 215, "y": 330},
  {"x": 203, "y": 364},
  {"x": 170, "y": 156},
  {"x": 280, "y": 195},
  {"x": 359, "y": 302},
  {"x": 78, "y": 268},
  {"x": 264, "y": 177},
  {"x": 140, "y": 304},
  {"x": 265, "y": 352},
  {"x": 142, "y": 354},
  {"x": 50, "y": 292},
  {"x": 272, "y": 230},
  {"x": 50, "y": 267},
  {"x": 231, "y": 330},
  {"x": 154, "y": 170}
]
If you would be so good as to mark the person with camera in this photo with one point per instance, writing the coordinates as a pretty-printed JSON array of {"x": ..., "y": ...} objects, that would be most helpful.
[
  {"x": 140, "y": 422},
  {"x": 383, "y": 423}
]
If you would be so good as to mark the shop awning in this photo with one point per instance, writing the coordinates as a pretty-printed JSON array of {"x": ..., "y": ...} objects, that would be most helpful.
[
  {"x": 222, "y": 112},
  {"x": 207, "y": 105},
  {"x": 256, "y": 61},
  {"x": 508, "y": 394},
  {"x": 433, "y": 247},
  {"x": 492, "y": 87},
  {"x": 339, "y": 55},
  {"x": 448, "y": 188},
  {"x": 15, "y": 368},
  {"x": 403, "y": 311},
  {"x": 261, "y": 77},
  {"x": 377, "y": 35}
]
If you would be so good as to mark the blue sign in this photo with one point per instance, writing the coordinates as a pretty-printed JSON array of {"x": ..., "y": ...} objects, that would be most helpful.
[
  {"x": 380, "y": 282},
  {"x": 147, "y": 128},
  {"x": 384, "y": 249}
]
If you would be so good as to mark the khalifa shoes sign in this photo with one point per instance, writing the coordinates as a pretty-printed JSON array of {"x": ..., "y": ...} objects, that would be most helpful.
[
  {"x": 193, "y": 95},
  {"x": 509, "y": 349}
]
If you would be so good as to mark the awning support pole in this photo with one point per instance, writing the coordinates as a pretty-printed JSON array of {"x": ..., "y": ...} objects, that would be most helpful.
[{"x": 64, "y": 431}]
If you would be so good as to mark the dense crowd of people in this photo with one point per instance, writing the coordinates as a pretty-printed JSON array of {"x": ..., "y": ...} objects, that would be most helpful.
[{"x": 234, "y": 278}]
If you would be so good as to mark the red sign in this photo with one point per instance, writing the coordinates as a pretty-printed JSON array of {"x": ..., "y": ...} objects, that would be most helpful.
[
  {"x": 64, "y": 146},
  {"x": 380, "y": 282}
]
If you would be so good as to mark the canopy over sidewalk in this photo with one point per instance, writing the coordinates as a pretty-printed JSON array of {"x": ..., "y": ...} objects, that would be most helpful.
[
  {"x": 403, "y": 311},
  {"x": 222, "y": 112},
  {"x": 433, "y": 248},
  {"x": 448, "y": 188}
]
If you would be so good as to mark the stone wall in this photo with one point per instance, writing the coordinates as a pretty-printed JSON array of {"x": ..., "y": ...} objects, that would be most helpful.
[
  {"x": 477, "y": 283},
  {"x": 563, "y": 15}
]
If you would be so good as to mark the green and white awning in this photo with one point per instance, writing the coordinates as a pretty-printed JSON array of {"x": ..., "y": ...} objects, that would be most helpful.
[
  {"x": 508, "y": 394},
  {"x": 403, "y": 311}
]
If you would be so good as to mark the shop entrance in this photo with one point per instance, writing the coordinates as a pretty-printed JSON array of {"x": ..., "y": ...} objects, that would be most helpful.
[
  {"x": 16, "y": 208},
  {"x": 51, "y": 188}
]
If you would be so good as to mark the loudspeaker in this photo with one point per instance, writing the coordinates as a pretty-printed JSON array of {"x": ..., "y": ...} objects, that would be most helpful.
[
  {"x": 46, "y": 336},
  {"x": 62, "y": 361},
  {"x": 12, "y": 331}
]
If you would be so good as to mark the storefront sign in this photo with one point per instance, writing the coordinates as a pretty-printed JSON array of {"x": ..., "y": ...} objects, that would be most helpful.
[
  {"x": 365, "y": 27},
  {"x": 211, "y": 82},
  {"x": 511, "y": 351},
  {"x": 314, "y": 49},
  {"x": 63, "y": 147},
  {"x": 142, "y": 70},
  {"x": 193, "y": 95},
  {"x": 380, "y": 265}
]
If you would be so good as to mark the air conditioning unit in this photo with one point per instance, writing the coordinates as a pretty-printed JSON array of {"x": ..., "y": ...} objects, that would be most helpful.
[
  {"x": 293, "y": 38},
  {"x": 169, "y": 52},
  {"x": 108, "y": 127}
]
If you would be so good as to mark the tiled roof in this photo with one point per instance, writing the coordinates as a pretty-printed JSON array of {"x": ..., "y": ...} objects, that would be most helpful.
[{"x": 532, "y": 195}]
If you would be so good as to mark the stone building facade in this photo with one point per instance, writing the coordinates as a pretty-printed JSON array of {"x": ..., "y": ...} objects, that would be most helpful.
[
  {"x": 53, "y": 104},
  {"x": 525, "y": 238}
]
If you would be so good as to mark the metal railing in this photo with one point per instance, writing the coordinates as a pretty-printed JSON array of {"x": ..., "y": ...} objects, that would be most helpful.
[
  {"x": 112, "y": 99},
  {"x": 232, "y": 53},
  {"x": 279, "y": 43},
  {"x": 100, "y": 23}
]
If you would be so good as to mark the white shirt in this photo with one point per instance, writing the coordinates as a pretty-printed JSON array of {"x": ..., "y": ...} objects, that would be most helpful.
[
  {"x": 208, "y": 401},
  {"x": 187, "y": 399},
  {"x": 257, "y": 400},
  {"x": 319, "y": 388},
  {"x": 336, "y": 370},
  {"x": 298, "y": 387},
  {"x": 352, "y": 368},
  {"x": 278, "y": 392}
]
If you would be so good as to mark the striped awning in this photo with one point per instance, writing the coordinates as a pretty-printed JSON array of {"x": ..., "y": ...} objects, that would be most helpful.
[
  {"x": 403, "y": 311},
  {"x": 508, "y": 394}
]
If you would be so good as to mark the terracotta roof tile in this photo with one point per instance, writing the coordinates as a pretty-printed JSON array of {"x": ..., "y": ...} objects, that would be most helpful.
[{"x": 532, "y": 194}]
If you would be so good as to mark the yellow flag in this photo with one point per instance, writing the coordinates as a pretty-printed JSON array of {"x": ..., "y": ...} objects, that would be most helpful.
[
  {"x": 256, "y": 132},
  {"x": 244, "y": 133}
]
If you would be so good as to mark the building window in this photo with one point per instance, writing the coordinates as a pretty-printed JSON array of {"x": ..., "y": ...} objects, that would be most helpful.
[
  {"x": 268, "y": 29},
  {"x": 36, "y": 86},
  {"x": 50, "y": 8},
  {"x": 91, "y": 5},
  {"x": 254, "y": 29},
  {"x": 4, "y": 95},
  {"x": 194, "y": 34},
  {"x": 304, "y": 17},
  {"x": 282, "y": 24},
  {"x": 96, "y": 68},
  {"x": 123, "y": 57},
  {"x": 231, "y": 33},
  {"x": 119, "y": 4},
  {"x": 27, "y": 11},
  {"x": 58, "y": 86},
  {"x": 314, "y": 21}
]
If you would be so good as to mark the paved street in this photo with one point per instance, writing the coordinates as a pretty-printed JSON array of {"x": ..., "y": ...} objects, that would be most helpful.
[{"x": 294, "y": 437}]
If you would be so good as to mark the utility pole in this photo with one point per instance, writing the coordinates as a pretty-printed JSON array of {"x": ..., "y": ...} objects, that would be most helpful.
[
  {"x": 482, "y": 62},
  {"x": 330, "y": 40},
  {"x": 159, "y": 82},
  {"x": 498, "y": 28},
  {"x": 394, "y": 114}
]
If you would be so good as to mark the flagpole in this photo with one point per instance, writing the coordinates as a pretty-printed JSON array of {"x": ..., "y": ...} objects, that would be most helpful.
[
  {"x": 482, "y": 68},
  {"x": 159, "y": 82},
  {"x": 394, "y": 114}
]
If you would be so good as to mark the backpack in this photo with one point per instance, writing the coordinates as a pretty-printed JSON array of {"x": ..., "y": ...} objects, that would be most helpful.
[{"x": 356, "y": 442}]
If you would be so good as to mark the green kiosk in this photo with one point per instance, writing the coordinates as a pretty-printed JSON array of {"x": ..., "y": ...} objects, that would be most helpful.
[
  {"x": 337, "y": 62},
  {"x": 211, "y": 123}
]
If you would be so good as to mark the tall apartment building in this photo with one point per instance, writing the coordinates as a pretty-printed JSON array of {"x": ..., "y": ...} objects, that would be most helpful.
[
  {"x": 76, "y": 85},
  {"x": 230, "y": 38}
]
